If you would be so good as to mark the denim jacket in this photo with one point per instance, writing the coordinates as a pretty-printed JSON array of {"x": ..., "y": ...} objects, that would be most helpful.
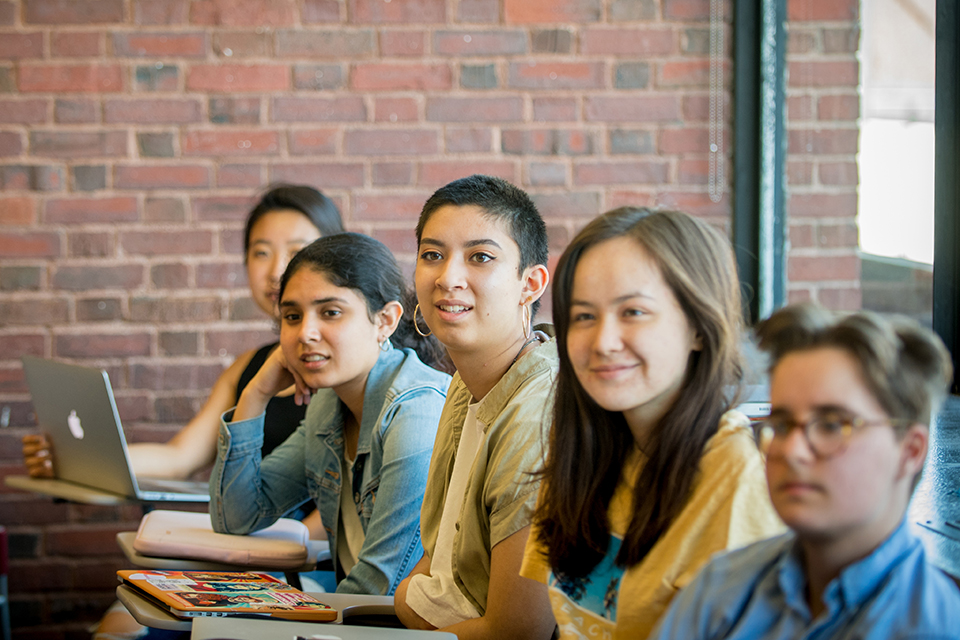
[{"x": 401, "y": 409}]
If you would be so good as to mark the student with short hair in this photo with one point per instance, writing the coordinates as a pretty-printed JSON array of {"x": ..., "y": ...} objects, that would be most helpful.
[
  {"x": 347, "y": 341},
  {"x": 649, "y": 471},
  {"x": 851, "y": 401},
  {"x": 480, "y": 273}
]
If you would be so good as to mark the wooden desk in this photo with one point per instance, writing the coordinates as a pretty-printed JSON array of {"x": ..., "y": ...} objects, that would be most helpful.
[{"x": 66, "y": 490}]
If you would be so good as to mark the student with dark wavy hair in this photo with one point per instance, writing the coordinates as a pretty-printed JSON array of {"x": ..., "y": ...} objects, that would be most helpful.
[
  {"x": 649, "y": 472},
  {"x": 851, "y": 401},
  {"x": 348, "y": 345}
]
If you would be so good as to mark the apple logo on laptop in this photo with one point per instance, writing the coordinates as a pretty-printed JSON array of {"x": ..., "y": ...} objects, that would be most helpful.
[{"x": 73, "y": 421}]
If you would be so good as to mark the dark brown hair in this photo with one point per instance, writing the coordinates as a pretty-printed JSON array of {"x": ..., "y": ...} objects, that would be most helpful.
[{"x": 588, "y": 444}]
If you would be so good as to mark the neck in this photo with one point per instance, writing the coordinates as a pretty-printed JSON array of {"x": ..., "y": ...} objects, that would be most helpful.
[
  {"x": 481, "y": 371},
  {"x": 351, "y": 396},
  {"x": 825, "y": 558}
]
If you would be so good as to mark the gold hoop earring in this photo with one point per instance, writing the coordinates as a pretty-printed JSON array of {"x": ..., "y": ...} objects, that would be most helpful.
[
  {"x": 416, "y": 325},
  {"x": 527, "y": 319}
]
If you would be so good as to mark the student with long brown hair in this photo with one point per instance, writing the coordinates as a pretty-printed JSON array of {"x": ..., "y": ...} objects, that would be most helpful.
[{"x": 648, "y": 472}]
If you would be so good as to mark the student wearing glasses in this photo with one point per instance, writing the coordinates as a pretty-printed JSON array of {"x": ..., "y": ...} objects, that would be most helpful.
[{"x": 851, "y": 401}]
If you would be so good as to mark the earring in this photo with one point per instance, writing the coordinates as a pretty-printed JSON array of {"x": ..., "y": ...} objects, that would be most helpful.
[
  {"x": 526, "y": 321},
  {"x": 416, "y": 325},
  {"x": 385, "y": 345}
]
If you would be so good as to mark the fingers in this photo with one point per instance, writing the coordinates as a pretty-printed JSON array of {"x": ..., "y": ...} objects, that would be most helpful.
[{"x": 37, "y": 456}]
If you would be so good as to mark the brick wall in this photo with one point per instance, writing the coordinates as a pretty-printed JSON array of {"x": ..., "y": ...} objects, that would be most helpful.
[{"x": 133, "y": 134}]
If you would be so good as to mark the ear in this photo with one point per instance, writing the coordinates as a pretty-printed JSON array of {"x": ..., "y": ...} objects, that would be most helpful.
[
  {"x": 535, "y": 280},
  {"x": 913, "y": 450},
  {"x": 387, "y": 319}
]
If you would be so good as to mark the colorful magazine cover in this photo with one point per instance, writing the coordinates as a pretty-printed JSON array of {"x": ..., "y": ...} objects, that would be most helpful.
[{"x": 203, "y": 593}]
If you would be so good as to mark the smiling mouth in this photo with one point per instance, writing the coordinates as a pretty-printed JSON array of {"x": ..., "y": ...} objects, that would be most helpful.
[{"x": 453, "y": 308}]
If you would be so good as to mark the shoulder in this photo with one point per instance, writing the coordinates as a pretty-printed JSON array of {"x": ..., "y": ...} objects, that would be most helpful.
[
  {"x": 732, "y": 447},
  {"x": 919, "y": 599},
  {"x": 409, "y": 374}
]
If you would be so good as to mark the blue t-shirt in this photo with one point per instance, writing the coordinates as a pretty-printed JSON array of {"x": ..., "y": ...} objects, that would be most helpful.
[{"x": 759, "y": 592}]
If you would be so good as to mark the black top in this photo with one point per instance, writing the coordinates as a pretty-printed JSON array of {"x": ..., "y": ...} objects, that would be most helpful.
[{"x": 283, "y": 415}]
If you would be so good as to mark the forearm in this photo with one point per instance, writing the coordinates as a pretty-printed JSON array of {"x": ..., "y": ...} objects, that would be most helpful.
[
  {"x": 164, "y": 460},
  {"x": 407, "y": 615}
]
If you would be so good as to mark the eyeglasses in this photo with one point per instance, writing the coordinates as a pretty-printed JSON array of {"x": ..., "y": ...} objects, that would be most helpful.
[{"x": 827, "y": 433}]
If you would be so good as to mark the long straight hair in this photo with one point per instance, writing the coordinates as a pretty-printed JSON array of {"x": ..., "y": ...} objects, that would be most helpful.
[{"x": 589, "y": 445}]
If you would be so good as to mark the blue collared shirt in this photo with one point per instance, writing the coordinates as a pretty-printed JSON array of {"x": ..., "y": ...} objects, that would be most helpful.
[
  {"x": 759, "y": 592},
  {"x": 401, "y": 410}
]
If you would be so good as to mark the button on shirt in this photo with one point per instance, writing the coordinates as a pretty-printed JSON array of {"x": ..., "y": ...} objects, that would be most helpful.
[{"x": 759, "y": 592}]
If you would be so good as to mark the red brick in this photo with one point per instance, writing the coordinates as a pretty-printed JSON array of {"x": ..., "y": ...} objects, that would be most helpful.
[
  {"x": 391, "y": 173},
  {"x": 81, "y": 44},
  {"x": 170, "y": 276},
  {"x": 90, "y": 245},
  {"x": 400, "y": 77},
  {"x": 840, "y": 299},
  {"x": 57, "y": 12},
  {"x": 239, "y": 175},
  {"x": 546, "y": 174},
  {"x": 296, "y": 109},
  {"x": 841, "y": 40},
  {"x": 18, "y": 46},
  {"x": 235, "y": 110},
  {"x": 840, "y": 107},
  {"x": 156, "y": 77},
  {"x": 221, "y": 275},
  {"x": 33, "y": 313},
  {"x": 823, "y": 205},
  {"x": 557, "y": 75},
  {"x": 412, "y": 11},
  {"x": 686, "y": 9},
  {"x": 87, "y": 210},
  {"x": 335, "y": 44},
  {"x": 231, "y": 208},
  {"x": 823, "y": 268},
  {"x": 317, "y": 77},
  {"x": 576, "y": 204},
  {"x": 235, "y": 77},
  {"x": 312, "y": 142},
  {"x": 483, "y": 11},
  {"x": 243, "y": 44},
  {"x": 800, "y": 108},
  {"x": 78, "y": 144},
  {"x": 685, "y": 74},
  {"x": 35, "y": 244},
  {"x": 18, "y": 211},
  {"x": 697, "y": 204},
  {"x": 230, "y": 143},
  {"x": 164, "y": 210},
  {"x": 684, "y": 141},
  {"x": 174, "y": 310},
  {"x": 170, "y": 44},
  {"x": 840, "y": 235},
  {"x": 818, "y": 73},
  {"x": 550, "y": 11},
  {"x": 654, "y": 172},
  {"x": 400, "y": 241},
  {"x": 329, "y": 175},
  {"x": 23, "y": 111},
  {"x": 472, "y": 140},
  {"x": 390, "y": 142},
  {"x": 33, "y": 177},
  {"x": 112, "y": 345},
  {"x": 448, "y": 109},
  {"x": 16, "y": 345},
  {"x": 396, "y": 110},
  {"x": 628, "y": 42},
  {"x": 658, "y": 108},
  {"x": 480, "y": 43},
  {"x": 839, "y": 174},
  {"x": 800, "y": 41},
  {"x": 440, "y": 172},
  {"x": 555, "y": 109},
  {"x": 69, "y": 78},
  {"x": 389, "y": 207},
  {"x": 231, "y": 343},
  {"x": 160, "y": 11},
  {"x": 400, "y": 44},
  {"x": 320, "y": 11},
  {"x": 11, "y": 144},
  {"x": 801, "y": 236},
  {"x": 693, "y": 171},
  {"x": 82, "y": 278},
  {"x": 822, "y": 10},
  {"x": 156, "y": 243},
  {"x": 799, "y": 172},
  {"x": 547, "y": 142},
  {"x": 823, "y": 141},
  {"x": 8, "y": 12},
  {"x": 180, "y": 176},
  {"x": 243, "y": 13}
]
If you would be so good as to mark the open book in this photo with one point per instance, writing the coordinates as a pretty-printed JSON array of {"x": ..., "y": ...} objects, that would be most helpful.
[{"x": 189, "y": 594}]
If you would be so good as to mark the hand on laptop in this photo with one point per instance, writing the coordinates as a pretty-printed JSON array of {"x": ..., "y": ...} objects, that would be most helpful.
[{"x": 38, "y": 456}]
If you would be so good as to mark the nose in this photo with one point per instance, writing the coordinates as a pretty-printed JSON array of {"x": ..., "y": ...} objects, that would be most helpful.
[
  {"x": 607, "y": 338},
  {"x": 451, "y": 275},
  {"x": 309, "y": 330},
  {"x": 795, "y": 446},
  {"x": 278, "y": 265}
]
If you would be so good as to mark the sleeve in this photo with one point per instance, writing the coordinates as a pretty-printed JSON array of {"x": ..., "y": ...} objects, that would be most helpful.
[
  {"x": 392, "y": 539},
  {"x": 246, "y": 493}
]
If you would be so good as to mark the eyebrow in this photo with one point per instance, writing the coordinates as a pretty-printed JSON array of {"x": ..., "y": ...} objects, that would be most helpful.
[
  {"x": 468, "y": 243},
  {"x": 617, "y": 300},
  {"x": 319, "y": 301}
]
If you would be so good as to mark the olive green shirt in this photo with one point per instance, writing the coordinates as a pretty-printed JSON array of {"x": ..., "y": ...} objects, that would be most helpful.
[{"x": 501, "y": 492}]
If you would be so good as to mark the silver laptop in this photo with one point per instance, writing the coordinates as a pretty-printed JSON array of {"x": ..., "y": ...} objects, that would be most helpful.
[{"x": 76, "y": 409}]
